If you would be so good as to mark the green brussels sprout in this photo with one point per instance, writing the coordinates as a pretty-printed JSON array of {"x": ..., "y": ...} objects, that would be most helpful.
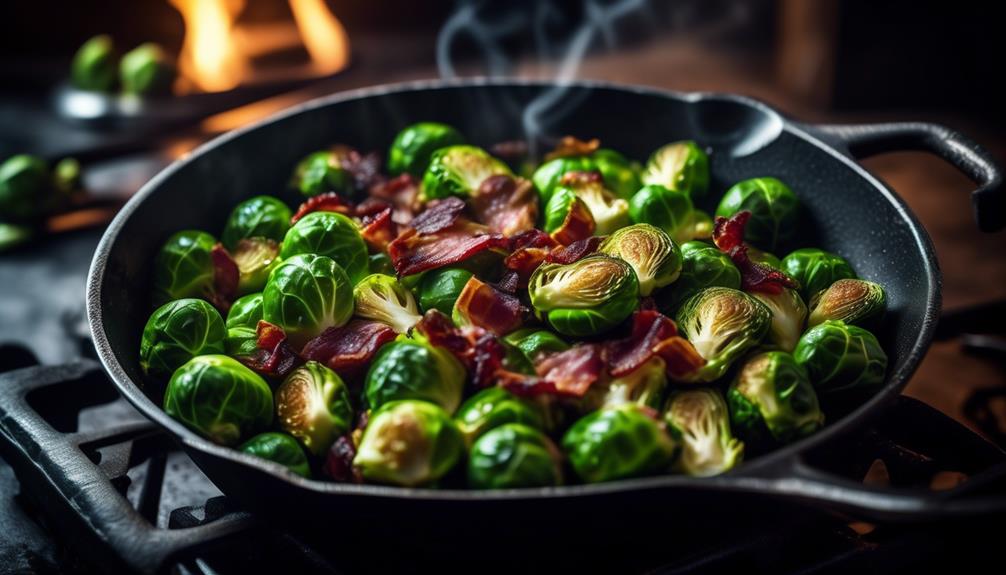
[
  {"x": 380, "y": 263},
  {"x": 178, "y": 331},
  {"x": 413, "y": 146},
  {"x": 305, "y": 295},
  {"x": 324, "y": 171},
  {"x": 609, "y": 211},
  {"x": 533, "y": 343},
  {"x": 255, "y": 258},
  {"x": 329, "y": 234},
  {"x": 546, "y": 178},
  {"x": 408, "y": 443},
  {"x": 788, "y": 316},
  {"x": 702, "y": 266},
  {"x": 459, "y": 171},
  {"x": 414, "y": 369},
  {"x": 93, "y": 67},
  {"x": 722, "y": 324},
  {"x": 586, "y": 297},
  {"x": 512, "y": 456},
  {"x": 312, "y": 404},
  {"x": 219, "y": 398},
  {"x": 491, "y": 408},
  {"x": 562, "y": 202},
  {"x": 700, "y": 421},
  {"x": 669, "y": 210},
  {"x": 702, "y": 226},
  {"x": 184, "y": 267},
  {"x": 242, "y": 326},
  {"x": 839, "y": 357},
  {"x": 773, "y": 208},
  {"x": 816, "y": 270},
  {"x": 258, "y": 217},
  {"x": 440, "y": 288},
  {"x": 772, "y": 402},
  {"x": 66, "y": 176},
  {"x": 620, "y": 176},
  {"x": 618, "y": 443},
  {"x": 146, "y": 69},
  {"x": 381, "y": 298},
  {"x": 25, "y": 191},
  {"x": 278, "y": 448},
  {"x": 856, "y": 302},
  {"x": 681, "y": 166},
  {"x": 13, "y": 235},
  {"x": 644, "y": 385},
  {"x": 652, "y": 254}
]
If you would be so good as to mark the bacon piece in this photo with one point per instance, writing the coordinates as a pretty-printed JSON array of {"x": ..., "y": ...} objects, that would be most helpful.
[
  {"x": 489, "y": 308},
  {"x": 579, "y": 224},
  {"x": 509, "y": 283},
  {"x": 365, "y": 168},
  {"x": 679, "y": 355},
  {"x": 649, "y": 328},
  {"x": 530, "y": 248},
  {"x": 379, "y": 230},
  {"x": 349, "y": 349},
  {"x": 571, "y": 146},
  {"x": 479, "y": 350},
  {"x": 275, "y": 356},
  {"x": 225, "y": 278},
  {"x": 574, "y": 251},
  {"x": 413, "y": 252},
  {"x": 440, "y": 215},
  {"x": 327, "y": 202},
  {"x": 523, "y": 385},
  {"x": 581, "y": 178},
  {"x": 339, "y": 461},
  {"x": 509, "y": 149},
  {"x": 573, "y": 371},
  {"x": 728, "y": 235},
  {"x": 506, "y": 205},
  {"x": 402, "y": 192}
]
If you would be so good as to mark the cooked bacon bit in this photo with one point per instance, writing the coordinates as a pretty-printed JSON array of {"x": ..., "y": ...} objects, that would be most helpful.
[
  {"x": 479, "y": 350},
  {"x": 225, "y": 278},
  {"x": 440, "y": 215},
  {"x": 581, "y": 178},
  {"x": 530, "y": 249},
  {"x": 403, "y": 193},
  {"x": 378, "y": 230},
  {"x": 578, "y": 225},
  {"x": 438, "y": 329},
  {"x": 533, "y": 238},
  {"x": 506, "y": 205},
  {"x": 524, "y": 385},
  {"x": 365, "y": 169},
  {"x": 571, "y": 146},
  {"x": 412, "y": 252},
  {"x": 348, "y": 349},
  {"x": 679, "y": 356},
  {"x": 339, "y": 461},
  {"x": 649, "y": 328},
  {"x": 510, "y": 149},
  {"x": 485, "y": 359},
  {"x": 728, "y": 235},
  {"x": 509, "y": 283},
  {"x": 573, "y": 371},
  {"x": 574, "y": 251},
  {"x": 327, "y": 202},
  {"x": 275, "y": 356},
  {"x": 489, "y": 308}
]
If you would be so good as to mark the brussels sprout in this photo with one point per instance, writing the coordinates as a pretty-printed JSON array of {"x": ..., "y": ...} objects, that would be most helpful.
[
  {"x": 619, "y": 174},
  {"x": 178, "y": 331},
  {"x": 440, "y": 288},
  {"x": 312, "y": 404},
  {"x": 562, "y": 202},
  {"x": 699, "y": 420},
  {"x": 815, "y": 270},
  {"x": 93, "y": 65},
  {"x": 586, "y": 297},
  {"x": 408, "y": 443},
  {"x": 666, "y": 209},
  {"x": 788, "y": 316},
  {"x": 66, "y": 176},
  {"x": 764, "y": 258},
  {"x": 258, "y": 217},
  {"x": 722, "y": 324},
  {"x": 13, "y": 235},
  {"x": 324, "y": 171},
  {"x": 702, "y": 266},
  {"x": 184, "y": 267},
  {"x": 329, "y": 234},
  {"x": 242, "y": 325},
  {"x": 534, "y": 343},
  {"x": 382, "y": 298},
  {"x": 146, "y": 69},
  {"x": 856, "y": 302},
  {"x": 513, "y": 456},
  {"x": 773, "y": 208},
  {"x": 546, "y": 178},
  {"x": 255, "y": 258},
  {"x": 652, "y": 254},
  {"x": 609, "y": 211},
  {"x": 645, "y": 386},
  {"x": 617, "y": 443},
  {"x": 681, "y": 166},
  {"x": 413, "y": 146},
  {"x": 278, "y": 448},
  {"x": 380, "y": 263},
  {"x": 414, "y": 369},
  {"x": 491, "y": 408},
  {"x": 772, "y": 401},
  {"x": 219, "y": 398},
  {"x": 459, "y": 171},
  {"x": 840, "y": 357},
  {"x": 24, "y": 188},
  {"x": 305, "y": 295},
  {"x": 702, "y": 226}
]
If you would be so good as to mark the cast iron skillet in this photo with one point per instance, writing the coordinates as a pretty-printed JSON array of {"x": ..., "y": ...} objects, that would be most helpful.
[{"x": 847, "y": 211}]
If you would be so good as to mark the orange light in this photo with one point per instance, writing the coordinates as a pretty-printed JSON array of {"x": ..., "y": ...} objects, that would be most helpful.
[
  {"x": 209, "y": 59},
  {"x": 323, "y": 35}
]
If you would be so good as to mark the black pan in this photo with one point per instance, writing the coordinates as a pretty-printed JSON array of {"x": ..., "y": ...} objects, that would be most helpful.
[{"x": 847, "y": 211}]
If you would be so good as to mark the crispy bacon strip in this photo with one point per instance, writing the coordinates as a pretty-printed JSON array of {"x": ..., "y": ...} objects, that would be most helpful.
[
  {"x": 365, "y": 168},
  {"x": 529, "y": 250},
  {"x": 402, "y": 192},
  {"x": 327, "y": 202},
  {"x": 479, "y": 350},
  {"x": 440, "y": 215},
  {"x": 573, "y": 371},
  {"x": 489, "y": 308},
  {"x": 574, "y": 251},
  {"x": 649, "y": 328},
  {"x": 348, "y": 350},
  {"x": 225, "y": 278},
  {"x": 579, "y": 224},
  {"x": 571, "y": 146},
  {"x": 728, "y": 235},
  {"x": 413, "y": 252},
  {"x": 379, "y": 230},
  {"x": 506, "y": 205},
  {"x": 275, "y": 356},
  {"x": 339, "y": 461},
  {"x": 679, "y": 356}
]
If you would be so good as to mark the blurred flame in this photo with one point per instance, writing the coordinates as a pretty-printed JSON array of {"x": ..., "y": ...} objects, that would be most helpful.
[
  {"x": 210, "y": 60},
  {"x": 323, "y": 34}
]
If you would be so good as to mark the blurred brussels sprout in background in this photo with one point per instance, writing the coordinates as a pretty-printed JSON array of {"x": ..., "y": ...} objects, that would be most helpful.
[
  {"x": 856, "y": 302},
  {"x": 772, "y": 401},
  {"x": 618, "y": 443},
  {"x": 94, "y": 65},
  {"x": 255, "y": 258},
  {"x": 305, "y": 295},
  {"x": 773, "y": 208},
  {"x": 324, "y": 171},
  {"x": 702, "y": 266},
  {"x": 413, "y": 146},
  {"x": 408, "y": 443},
  {"x": 258, "y": 217},
  {"x": 329, "y": 234},
  {"x": 13, "y": 235},
  {"x": 25, "y": 190},
  {"x": 242, "y": 325},
  {"x": 609, "y": 211},
  {"x": 702, "y": 226},
  {"x": 700, "y": 421},
  {"x": 178, "y": 331},
  {"x": 414, "y": 369},
  {"x": 147, "y": 69},
  {"x": 66, "y": 176},
  {"x": 458, "y": 171},
  {"x": 440, "y": 288},
  {"x": 652, "y": 254},
  {"x": 644, "y": 385},
  {"x": 839, "y": 357},
  {"x": 380, "y": 263},
  {"x": 184, "y": 267},
  {"x": 815, "y": 270},
  {"x": 562, "y": 202},
  {"x": 681, "y": 166},
  {"x": 669, "y": 210},
  {"x": 220, "y": 399},
  {"x": 512, "y": 456},
  {"x": 722, "y": 324},
  {"x": 586, "y": 297},
  {"x": 534, "y": 343},
  {"x": 381, "y": 298},
  {"x": 491, "y": 408},
  {"x": 620, "y": 175},
  {"x": 278, "y": 448},
  {"x": 312, "y": 404},
  {"x": 788, "y": 316}
]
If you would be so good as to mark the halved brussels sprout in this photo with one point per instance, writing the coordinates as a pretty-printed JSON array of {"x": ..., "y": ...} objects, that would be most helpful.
[
  {"x": 586, "y": 297},
  {"x": 459, "y": 171},
  {"x": 408, "y": 443},
  {"x": 146, "y": 69},
  {"x": 414, "y": 369},
  {"x": 322, "y": 172},
  {"x": 618, "y": 443},
  {"x": 789, "y": 314},
  {"x": 681, "y": 166},
  {"x": 440, "y": 288},
  {"x": 93, "y": 65},
  {"x": 279, "y": 448},
  {"x": 609, "y": 211},
  {"x": 513, "y": 456},
  {"x": 329, "y": 234},
  {"x": 856, "y": 302},
  {"x": 534, "y": 343},
  {"x": 178, "y": 331},
  {"x": 184, "y": 267},
  {"x": 840, "y": 358},
  {"x": 305, "y": 295},
  {"x": 242, "y": 326},
  {"x": 220, "y": 399},
  {"x": 816, "y": 270},
  {"x": 381, "y": 298},
  {"x": 620, "y": 175},
  {"x": 562, "y": 202},
  {"x": 258, "y": 217},
  {"x": 700, "y": 421},
  {"x": 491, "y": 408},
  {"x": 772, "y": 401},
  {"x": 255, "y": 258},
  {"x": 702, "y": 226},
  {"x": 666, "y": 209},
  {"x": 413, "y": 146},
  {"x": 644, "y": 386},
  {"x": 773, "y": 208},
  {"x": 652, "y": 254},
  {"x": 312, "y": 404},
  {"x": 702, "y": 266},
  {"x": 722, "y": 324}
]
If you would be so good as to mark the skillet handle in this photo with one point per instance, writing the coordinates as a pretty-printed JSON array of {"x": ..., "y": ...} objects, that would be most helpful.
[{"x": 864, "y": 140}]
